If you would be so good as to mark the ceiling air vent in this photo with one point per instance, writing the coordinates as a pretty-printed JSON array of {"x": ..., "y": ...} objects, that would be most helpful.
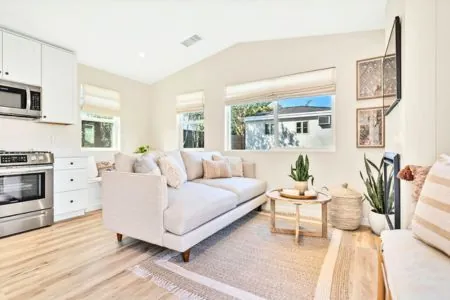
[{"x": 191, "y": 41}]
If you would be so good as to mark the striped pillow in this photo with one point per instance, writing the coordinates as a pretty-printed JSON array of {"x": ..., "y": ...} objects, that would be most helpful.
[{"x": 431, "y": 221}]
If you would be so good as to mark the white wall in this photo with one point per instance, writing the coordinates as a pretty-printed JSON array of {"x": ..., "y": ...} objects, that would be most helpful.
[
  {"x": 18, "y": 134},
  {"x": 418, "y": 128},
  {"x": 259, "y": 60}
]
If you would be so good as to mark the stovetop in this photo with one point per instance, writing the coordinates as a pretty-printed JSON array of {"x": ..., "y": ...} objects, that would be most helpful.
[{"x": 18, "y": 158}]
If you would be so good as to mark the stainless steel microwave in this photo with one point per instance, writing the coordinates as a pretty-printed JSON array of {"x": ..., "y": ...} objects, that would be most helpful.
[{"x": 20, "y": 100}]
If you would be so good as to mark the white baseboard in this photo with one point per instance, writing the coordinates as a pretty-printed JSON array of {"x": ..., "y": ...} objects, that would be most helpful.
[
  {"x": 93, "y": 207},
  {"x": 69, "y": 215}
]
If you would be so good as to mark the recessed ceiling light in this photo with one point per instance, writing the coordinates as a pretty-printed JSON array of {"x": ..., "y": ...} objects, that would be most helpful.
[{"x": 142, "y": 54}]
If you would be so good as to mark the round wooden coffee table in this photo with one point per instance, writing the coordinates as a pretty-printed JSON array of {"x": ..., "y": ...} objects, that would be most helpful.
[{"x": 322, "y": 199}]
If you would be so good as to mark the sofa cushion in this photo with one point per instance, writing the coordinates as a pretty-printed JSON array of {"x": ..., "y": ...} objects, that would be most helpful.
[
  {"x": 124, "y": 162},
  {"x": 147, "y": 164},
  {"x": 245, "y": 188},
  {"x": 431, "y": 222},
  {"x": 193, "y": 161},
  {"x": 414, "y": 270},
  {"x": 194, "y": 204}
]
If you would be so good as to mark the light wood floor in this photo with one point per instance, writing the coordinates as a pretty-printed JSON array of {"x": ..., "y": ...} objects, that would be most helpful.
[{"x": 80, "y": 259}]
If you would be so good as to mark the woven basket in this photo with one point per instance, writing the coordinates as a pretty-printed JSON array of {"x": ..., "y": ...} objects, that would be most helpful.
[{"x": 345, "y": 208}]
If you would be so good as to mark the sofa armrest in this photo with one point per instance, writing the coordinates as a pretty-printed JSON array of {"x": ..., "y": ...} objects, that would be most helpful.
[
  {"x": 249, "y": 169},
  {"x": 134, "y": 204}
]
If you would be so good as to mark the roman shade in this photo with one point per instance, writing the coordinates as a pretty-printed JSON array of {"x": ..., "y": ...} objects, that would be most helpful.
[
  {"x": 100, "y": 101},
  {"x": 190, "y": 102},
  {"x": 312, "y": 83}
]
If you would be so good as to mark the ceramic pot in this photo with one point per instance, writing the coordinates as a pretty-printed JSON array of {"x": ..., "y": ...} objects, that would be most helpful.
[
  {"x": 378, "y": 222},
  {"x": 301, "y": 186}
]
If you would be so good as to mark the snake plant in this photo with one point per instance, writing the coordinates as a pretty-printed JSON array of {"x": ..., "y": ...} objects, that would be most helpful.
[
  {"x": 301, "y": 170},
  {"x": 374, "y": 183}
]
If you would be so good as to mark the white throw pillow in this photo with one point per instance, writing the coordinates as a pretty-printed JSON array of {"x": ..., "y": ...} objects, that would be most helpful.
[
  {"x": 147, "y": 164},
  {"x": 193, "y": 162},
  {"x": 171, "y": 169},
  {"x": 124, "y": 162},
  {"x": 236, "y": 164},
  {"x": 431, "y": 222}
]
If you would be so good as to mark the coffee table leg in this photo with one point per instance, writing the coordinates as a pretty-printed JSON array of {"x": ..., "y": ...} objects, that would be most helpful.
[
  {"x": 272, "y": 215},
  {"x": 324, "y": 220},
  {"x": 297, "y": 223}
]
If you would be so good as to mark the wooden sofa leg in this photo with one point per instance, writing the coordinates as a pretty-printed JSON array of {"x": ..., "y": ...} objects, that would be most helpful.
[
  {"x": 185, "y": 255},
  {"x": 119, "y": 237}
]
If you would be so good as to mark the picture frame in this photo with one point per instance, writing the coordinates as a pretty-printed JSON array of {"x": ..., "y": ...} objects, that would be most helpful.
[
  {"x": 370, "y": 74},
  {"x": 370, "y": 127}
]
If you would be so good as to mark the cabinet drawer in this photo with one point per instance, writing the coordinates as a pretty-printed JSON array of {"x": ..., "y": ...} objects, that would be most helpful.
[
  {"x": 70, "y": 201},
  {"x": 70, "y": 180},
  {"x": 68, "y": 163}
]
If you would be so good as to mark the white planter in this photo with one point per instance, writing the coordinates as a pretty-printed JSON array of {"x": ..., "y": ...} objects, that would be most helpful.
[
  {"x": 301, "y": 186},
  {"x": 378, "y": 222}
]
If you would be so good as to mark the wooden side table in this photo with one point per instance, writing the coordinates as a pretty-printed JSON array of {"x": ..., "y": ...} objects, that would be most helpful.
[{"x": 322, "y": 199}]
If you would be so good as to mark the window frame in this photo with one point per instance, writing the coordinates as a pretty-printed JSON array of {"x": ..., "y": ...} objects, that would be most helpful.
[
  {"x": 276, "y": 133},
  {"x": 180, "y": 131},
  {"x": 115, "y": 120}
]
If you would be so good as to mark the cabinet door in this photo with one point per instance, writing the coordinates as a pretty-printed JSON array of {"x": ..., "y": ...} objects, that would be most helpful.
[
  {"x": 21, "y": 59},
  {"x": 58, "y": 86},
  {"x": 1, "y": 54}
]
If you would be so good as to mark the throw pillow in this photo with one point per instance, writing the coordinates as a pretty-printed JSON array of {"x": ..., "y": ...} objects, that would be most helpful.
[
  {"x": 193, "y": 160},
  {"x": 176, "y": 155},
  {"x": 420, "y": 173},
  {"x": 103, "y": 166},
  {"x": 124, "y": 162},
  {"x": 175, "y": 174},
  {"x": 431, "y": 222},
  {"x": 146, "y": 164},
  {"x": 236, "y": 164},
  {"x": 216, "y": 169}
]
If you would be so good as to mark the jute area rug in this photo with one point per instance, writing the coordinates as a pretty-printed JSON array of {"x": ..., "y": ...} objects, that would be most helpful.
[{"x": 246, "y": 261}]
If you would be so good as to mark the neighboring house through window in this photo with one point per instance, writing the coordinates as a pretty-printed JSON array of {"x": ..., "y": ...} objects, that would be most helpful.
[
  {"x": 191, "y": 120},
  {"x": 286, "y": 112},
  {"x": 100, "y": 118}
]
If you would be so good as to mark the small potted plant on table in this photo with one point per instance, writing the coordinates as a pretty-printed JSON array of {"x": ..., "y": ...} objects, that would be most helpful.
[
  {"x": 374, "y": 183},
  {"x": 301, "y": 174}
]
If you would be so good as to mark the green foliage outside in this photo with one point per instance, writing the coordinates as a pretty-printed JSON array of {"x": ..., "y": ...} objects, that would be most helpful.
[{"x": 239, "y": 112}]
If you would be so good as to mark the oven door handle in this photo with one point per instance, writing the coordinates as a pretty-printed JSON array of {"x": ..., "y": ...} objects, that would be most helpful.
[
  {"x": 28, "y": 98},
  {"x": 25, "y": 170}
]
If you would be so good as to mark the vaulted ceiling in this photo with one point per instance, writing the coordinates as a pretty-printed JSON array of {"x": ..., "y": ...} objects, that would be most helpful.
[{"x": 140, "y": 39}]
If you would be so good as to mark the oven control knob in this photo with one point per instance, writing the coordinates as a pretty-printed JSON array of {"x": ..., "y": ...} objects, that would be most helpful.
[
  {"x": 33, "y": 158},
  {"x": 41, "y": 157}
]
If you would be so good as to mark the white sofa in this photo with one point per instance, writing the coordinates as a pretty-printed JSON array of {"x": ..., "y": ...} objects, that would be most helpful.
[
  {"x": 142, "y": 206},
  {"x": 412, "y": 269}
]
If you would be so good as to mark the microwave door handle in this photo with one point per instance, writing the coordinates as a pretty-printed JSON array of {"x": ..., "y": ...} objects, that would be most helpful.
[{"x": 28, "y": 98}]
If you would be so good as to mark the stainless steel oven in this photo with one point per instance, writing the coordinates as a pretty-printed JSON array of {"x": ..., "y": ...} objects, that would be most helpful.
[
  {"x": 26, "y": 191},
  {"x": 20, "y": 100}
]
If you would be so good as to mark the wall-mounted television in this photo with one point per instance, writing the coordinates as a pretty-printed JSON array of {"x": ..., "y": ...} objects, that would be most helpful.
[{"x": 392, "y": 68}]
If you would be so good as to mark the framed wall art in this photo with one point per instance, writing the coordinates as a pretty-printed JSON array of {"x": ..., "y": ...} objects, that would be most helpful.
[
  {"x": 370, "y": 127},
  {"x": 369, "y": 73}
]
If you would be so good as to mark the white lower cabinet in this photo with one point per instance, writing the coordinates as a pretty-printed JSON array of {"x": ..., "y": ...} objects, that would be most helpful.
[{"x": 70, "y": 187}]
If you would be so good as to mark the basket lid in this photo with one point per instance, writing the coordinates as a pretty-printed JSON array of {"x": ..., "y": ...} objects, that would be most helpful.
[{"x": 345, "y": 192}]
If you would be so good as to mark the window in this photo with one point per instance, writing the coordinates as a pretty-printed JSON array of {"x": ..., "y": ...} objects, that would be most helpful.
[
  {"x": 99, "y": 132},
  {"x": 100, "y": 121},
  {"x": 191, "y": 120},
  {"x": 268, "y": 128},
  {"x": 287, "y": 112}
]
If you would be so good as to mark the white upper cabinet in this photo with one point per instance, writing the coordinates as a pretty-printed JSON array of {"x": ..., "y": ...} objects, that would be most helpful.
[
  {"x": 1, "y": 54},
  {"x": 58, "y": 86},
  {"x": 21, "y": 59}
]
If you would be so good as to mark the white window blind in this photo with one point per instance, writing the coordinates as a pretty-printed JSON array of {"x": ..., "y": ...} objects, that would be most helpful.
[
  {"x": 100, "y": 101},
  {"x": 190, "y": 102},
  {"x": 313, "y": 83}
]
